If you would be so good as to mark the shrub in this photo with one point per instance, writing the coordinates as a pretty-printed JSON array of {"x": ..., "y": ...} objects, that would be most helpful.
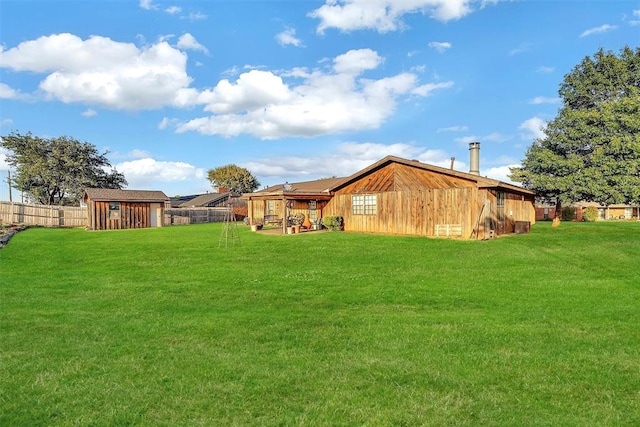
[
  {"x": 590, "y": 214},
  {"x": 333, "y": 223},
  {"x": 568, "y": 213}
]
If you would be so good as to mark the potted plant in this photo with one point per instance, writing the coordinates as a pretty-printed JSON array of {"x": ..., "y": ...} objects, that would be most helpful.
[{"x": 296, "y": 221}]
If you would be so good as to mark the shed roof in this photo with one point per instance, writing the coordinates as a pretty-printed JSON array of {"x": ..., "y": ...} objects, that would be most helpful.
[{"x": 107, "y": 194}]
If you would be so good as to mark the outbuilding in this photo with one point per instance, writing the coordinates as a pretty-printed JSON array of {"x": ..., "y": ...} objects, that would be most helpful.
[{"x": 111, "y": 209}]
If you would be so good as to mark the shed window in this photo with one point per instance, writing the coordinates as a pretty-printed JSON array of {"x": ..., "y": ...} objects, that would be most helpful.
[
  {"x": 114, "y": 210},
  {"x": 364, "y": 204}
]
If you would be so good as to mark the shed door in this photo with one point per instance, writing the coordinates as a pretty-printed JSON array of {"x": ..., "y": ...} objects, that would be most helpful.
[{"x": 156, "y": 212}]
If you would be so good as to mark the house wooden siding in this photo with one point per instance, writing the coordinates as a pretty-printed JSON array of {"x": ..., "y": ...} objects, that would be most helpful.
[
  {"x": 135, "y": 209},
  {"x": 416, "y": 199},
  {"x": 414, "y": 212},
  {"x": 400, "y": 177}
]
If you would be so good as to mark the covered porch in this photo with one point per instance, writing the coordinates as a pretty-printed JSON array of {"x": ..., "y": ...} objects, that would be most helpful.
[{"x": 290, "y": 205}]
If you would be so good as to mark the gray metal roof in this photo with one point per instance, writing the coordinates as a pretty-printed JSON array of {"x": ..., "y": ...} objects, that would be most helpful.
[{"x": 204, "y": 199}]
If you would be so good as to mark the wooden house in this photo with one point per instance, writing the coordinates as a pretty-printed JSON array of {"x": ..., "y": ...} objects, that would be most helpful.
[
  {"x": 400, "y": 196},
  {"x": 406, "y": 197},
  {"x": 120, "y": 209}
]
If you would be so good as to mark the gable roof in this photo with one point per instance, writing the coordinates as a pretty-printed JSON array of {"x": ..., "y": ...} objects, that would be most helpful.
[
  {"x": 304, "y": 188},
  {"x": 107, "y": 194},
  {"x": 205, "y": 199},
  {"x": 326, "y": 187},
  {"x": 481, "y": 182}
]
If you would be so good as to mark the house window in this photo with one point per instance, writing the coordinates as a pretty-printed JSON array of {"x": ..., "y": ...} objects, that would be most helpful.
[
  {"x": 364, "y": 204},
  {"x": 114, "y": 210},
  {"x": 628, "y": 212},
  {"x": 313, "y": 213},
  {"x": 271, "y": 207}
]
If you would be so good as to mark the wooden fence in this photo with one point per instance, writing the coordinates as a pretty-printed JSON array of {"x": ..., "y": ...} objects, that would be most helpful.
[
  {"x": 69, "y": 216},
  {"x": 43, "y": 215},
  {"x": 177, "y": 216}
]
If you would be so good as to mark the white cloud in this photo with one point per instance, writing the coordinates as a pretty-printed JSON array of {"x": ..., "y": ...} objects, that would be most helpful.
[
  {"x": 196, "y": 16},
  {"x": 384, "y": 15},
  {"x": 148, "y": 5},
  {"x": 464, "y": 140},
  {"x": 104, "y": 72},
  {"x": 288, "y": 37},
  {"x": 524, "y": 47},
  {"x": 501, "y": 173},
  {"x": 333, "y": 98},
  {"x": 491, "y": 137},
  {"x": 349, "y": 158},
  {"x": 6, "y": 92},
  {"x": 173, "y": 10},
  {"x": 263, "y": 104},
  {"x": 545, "y": 69},
  {"x": 6, "y": 122},
  {"x": 357, "y": 61},
  {"x": 598, "y": 30},
  {"x": 426, "y": 89},
  {"x": 453, "y": 129},
  {"x": 495, "y": 137},
  {"x": 167, "y": 122},
  {"x": 89, "y": 113},
  {"x": 544, "y": 100},
  {"x": 138, "y": 154},
  {"x": 440, "y": 46},
  {"x": 188, "y": 42},
  {"x": 4, "y": 166},
  {"x": 146, "y": 171},
  {"x": 533, "y": 128}
]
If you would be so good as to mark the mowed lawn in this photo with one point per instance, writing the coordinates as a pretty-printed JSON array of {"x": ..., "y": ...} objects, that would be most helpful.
[{"x": 163, "y": 327}]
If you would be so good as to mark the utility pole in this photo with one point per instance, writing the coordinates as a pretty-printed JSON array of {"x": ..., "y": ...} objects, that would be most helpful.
[{"x": 9, "y": 182}]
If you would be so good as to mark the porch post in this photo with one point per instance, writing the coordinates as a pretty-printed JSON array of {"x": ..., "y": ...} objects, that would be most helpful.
[{"x": 284, "y": 215}]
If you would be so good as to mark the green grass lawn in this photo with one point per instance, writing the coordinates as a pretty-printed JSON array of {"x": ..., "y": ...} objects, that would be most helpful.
[{"x": 163, "y": 327}]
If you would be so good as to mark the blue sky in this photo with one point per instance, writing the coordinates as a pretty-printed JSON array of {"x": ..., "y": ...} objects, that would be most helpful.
[{"x": 294, "y": 90}]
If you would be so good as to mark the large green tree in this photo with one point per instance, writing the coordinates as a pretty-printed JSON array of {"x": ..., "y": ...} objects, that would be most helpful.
[
  {"x": 235, "y": 178},
  {"x": 56, "y": 171},
  {"x": 591, "y": 150}
]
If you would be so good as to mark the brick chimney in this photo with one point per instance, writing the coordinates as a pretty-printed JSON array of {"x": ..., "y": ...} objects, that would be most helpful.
[{"x": 474, "y": 154}]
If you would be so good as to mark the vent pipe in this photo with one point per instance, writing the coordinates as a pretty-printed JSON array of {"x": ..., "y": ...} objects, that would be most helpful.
[
  {"x": 453, "y": 160},
  {"x": 474, "y": 154}
]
